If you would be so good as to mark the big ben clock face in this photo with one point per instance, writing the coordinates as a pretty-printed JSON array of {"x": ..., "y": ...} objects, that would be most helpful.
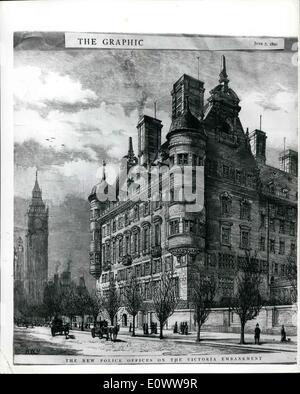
[{"x": 37, "y": 223}]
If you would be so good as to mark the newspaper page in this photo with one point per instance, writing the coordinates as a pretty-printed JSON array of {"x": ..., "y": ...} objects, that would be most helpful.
[{"x": 155, "y": 193}]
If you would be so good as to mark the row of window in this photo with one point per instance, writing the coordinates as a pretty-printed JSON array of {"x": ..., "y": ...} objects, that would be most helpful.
[
  {"x": 241, "y": 177},
  {"x": 177, "y": 226},
  {"x": 147, "y": 289},
  {"x": 186, "y": 159},
  {"x": 130, "y": 243},
  {"x": 273, "y": 246},
  {"x": 226, "y": 207},
  {"x": 244, "y": 236},
  {"x": 283, "y": 226},
  {"x": 125, "y": 220}
]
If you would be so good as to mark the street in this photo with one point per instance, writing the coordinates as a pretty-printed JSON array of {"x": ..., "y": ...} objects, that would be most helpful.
[{"x": 38, "y": 341}]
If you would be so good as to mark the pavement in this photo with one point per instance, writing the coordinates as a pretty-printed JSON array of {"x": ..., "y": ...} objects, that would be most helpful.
[{"x": 268, "y": 342}]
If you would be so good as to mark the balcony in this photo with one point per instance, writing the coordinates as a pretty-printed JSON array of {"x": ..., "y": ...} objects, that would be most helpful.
[
  {"x": 156, "y": 251},
  {"x": 185, "y": 243}
]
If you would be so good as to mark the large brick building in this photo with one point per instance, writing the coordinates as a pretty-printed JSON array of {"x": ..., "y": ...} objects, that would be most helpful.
[{"x": 245, "y": 204}]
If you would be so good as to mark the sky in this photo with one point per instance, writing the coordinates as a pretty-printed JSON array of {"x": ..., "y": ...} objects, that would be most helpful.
[{"x": 74, "y": 108}]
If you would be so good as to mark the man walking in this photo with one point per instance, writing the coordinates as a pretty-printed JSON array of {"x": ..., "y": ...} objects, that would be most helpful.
[{"x": 257, "y": 334}]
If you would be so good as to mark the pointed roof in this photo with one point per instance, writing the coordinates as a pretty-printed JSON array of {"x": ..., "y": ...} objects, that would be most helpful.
[
  {"x": 36, "y": 188},
  {"x": 223, "y": 74},
  {"x": 130, "y": 157}
]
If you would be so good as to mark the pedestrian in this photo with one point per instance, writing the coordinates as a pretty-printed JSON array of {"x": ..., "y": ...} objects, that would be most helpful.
[
  {"x": 130, "y": 327},
  {"x": 175, "y": 331},
  {"x": 257, "y": 334},
  {"x": 147, "y": 329},
  {"x": 144, "y": 328},
  {"x": 186, "y": 329},
  {"x": 283, "y": 334}
]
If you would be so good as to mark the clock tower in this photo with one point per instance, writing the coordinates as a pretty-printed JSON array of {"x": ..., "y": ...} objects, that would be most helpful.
[{"x": 36, "y": 271}]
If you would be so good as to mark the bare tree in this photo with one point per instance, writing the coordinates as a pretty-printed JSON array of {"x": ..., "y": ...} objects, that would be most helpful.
[
  {"x": 165, "y": 298},
  {"x": 247, "y": 300},
  {"x": 133, "y": 300},
  {"x": 96, "y": 305},
  {"x": 291, "y": 273},
  {"x": 112, "y": 300},
  {"x": 69, "y": 300},
  {"x": 202, "y": 297}
]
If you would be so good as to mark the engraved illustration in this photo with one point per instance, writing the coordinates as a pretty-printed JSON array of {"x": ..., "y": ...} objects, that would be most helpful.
[{"x": 155, "y": 205}]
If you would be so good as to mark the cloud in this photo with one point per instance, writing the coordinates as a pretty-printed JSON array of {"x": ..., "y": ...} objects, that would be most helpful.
[
  {"x": 34, "y": 88},
  {"x": 31, "y": 154}
]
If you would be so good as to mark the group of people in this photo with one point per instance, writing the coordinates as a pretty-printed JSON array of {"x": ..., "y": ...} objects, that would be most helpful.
[
  {"x": 257, "y": 332},
  {"x": 153, "y": 328},
  {"x": 184, "y": 328}
]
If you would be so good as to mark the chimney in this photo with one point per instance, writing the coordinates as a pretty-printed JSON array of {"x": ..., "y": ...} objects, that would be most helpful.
[
  {"x": 149, "y": 139},
  {"x": 258, "y": 145}
]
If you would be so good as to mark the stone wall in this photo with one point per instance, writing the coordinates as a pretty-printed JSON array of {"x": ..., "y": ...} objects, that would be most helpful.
[{"x": 269, "y": 319}]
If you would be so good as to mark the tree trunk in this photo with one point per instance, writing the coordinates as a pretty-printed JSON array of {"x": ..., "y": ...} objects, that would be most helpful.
[
  {"x": 242, "y": 339},
  {"x": 133, "y": 326},
  {"x": 82, "y": 321},
  {"x": 161, "y": 326},
  {"x": 112, "y": 320},
  {"x": 198, "y": 333}
]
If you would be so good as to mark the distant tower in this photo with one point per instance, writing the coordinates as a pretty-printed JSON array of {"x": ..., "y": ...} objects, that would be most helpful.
[
  {"x": 289, "y": 161},
  {"x": 149, "y": 139},
  {"x": 36, "y": 266}
]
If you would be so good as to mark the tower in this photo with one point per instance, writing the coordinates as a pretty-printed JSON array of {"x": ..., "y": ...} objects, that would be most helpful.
[
  {"x": 36, "y": 267},
  {"x": 289, "y": 161}
]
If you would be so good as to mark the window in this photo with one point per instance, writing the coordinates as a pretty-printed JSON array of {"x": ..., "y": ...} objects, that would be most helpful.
[
  {"x": 262, "y": 243},
  {"x": 114, "y": 226},
  {"x": 194, "y": 160},
  {"x": 238, "y": 176},
  {"x": 225, "y": 171},
  {"x": 172, "y": 160},
  {"x": 245, "y": 239},
  {"x": 176, "y": 286},
  {"x": 147, "y": 268},
  {"x": 157, "y": 234},
  {"x": 146, "y": 239},
  {"x": 276, "y": 269},
  {"x": 136, "y": 213},
  {"x": 103, "y": 231},
  {"x": 245, "y": 210},
  {"x": 292, "y": 228},
  {"x": 225, "y": 235},
  {"x": 182, "y": 159},
  {"x": 147, "y": 291},
  {"x": 169, "y": 263},
  {"x": 156, "y": 266},
  {"x": 249, "y": 180},
  {"x": 262, "y": 220},
  {"x": 272, "y": 225},
  {"x": 127, "y": 244},
  {"x": 281, "y": 226},
  {"x": 282, "y": 269},
  {"x": 126, "y": 219},
  {"x": 136, "y": 242},
  {"x": 293, "y": 248},
  {"x": 146, "y": 208},
  {"x": 120, "y": 248},
  {"x": 114, "y": 251},
  {"x": 225, "y": 205},
  {"x": 272, "y": 246},
  {"x": 281, "y": 247},
  {"x": 189, "y": 226},
  {"x": 174, "y": 227}
]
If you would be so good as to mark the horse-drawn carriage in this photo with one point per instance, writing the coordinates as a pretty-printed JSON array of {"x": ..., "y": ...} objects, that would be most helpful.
[
  {"x": 57, "y": 326},
  {"x": 103, "y": 330}
]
